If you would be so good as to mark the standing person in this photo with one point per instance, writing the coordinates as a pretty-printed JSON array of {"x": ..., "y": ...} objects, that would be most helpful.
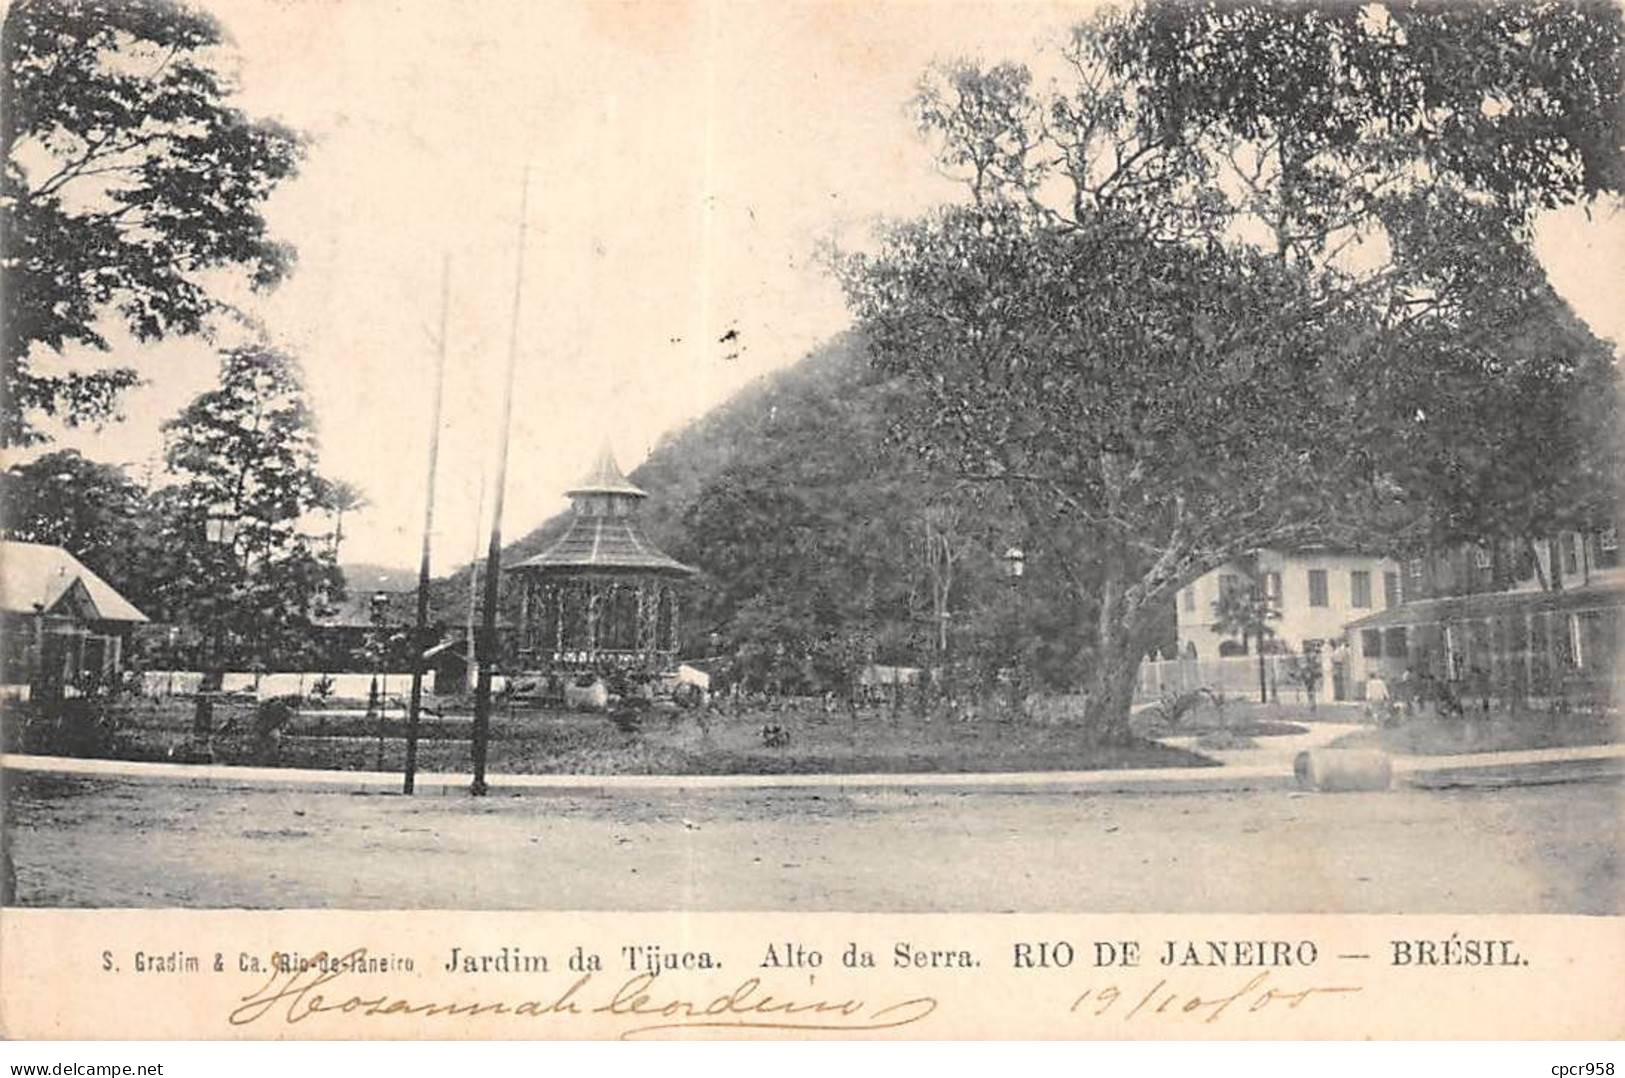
[
  {"x": 1377, "y": 704},
  {"x": 1449, "y": 699}
]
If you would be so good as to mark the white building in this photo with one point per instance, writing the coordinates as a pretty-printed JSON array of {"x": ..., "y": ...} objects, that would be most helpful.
[{"x": 1316, "y": 592}]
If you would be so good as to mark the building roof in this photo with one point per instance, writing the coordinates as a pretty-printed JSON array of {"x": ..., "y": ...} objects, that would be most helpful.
[
  {"x": 601, "y": 538},
  {"x": 1491, "y": 604},
  {"x": 35, "y": 577},
  {"x": 604, "y": 477},
  {"x": 601, "y": 542},
  {"x": 456, "y": 646},
  {"x": 400, "y": 611},
  {"x": 354, "y": 611}
]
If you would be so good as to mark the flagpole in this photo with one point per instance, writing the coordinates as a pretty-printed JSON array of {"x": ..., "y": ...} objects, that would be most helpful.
[
  {"x": 487, "y": 642},
  {"x": 474, "y": 591},
  {"x": 419, "y": 633}
]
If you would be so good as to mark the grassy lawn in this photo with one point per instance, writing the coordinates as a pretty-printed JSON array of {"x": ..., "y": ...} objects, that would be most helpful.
[
  {"x": 1241, "y": 718},
  {"x": 681, "y": 743},
  {"x": 1428, "y": 735}
]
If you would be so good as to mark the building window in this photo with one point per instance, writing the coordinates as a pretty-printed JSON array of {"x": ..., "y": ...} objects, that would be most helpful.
[
  {"x": 1228, "y": 584},
  {"x": 1608, "y": 548},
  {"x": 1515, "y": 633},
  {"x": 1272, "y": 587},
  {"x": 1359, "y": 588},
  {"x": 1481, "y": 556},
  {"x": 1565, "y": 545},
  {"x": 1317, "y": 587},
  {"x": 1393, "y": 643},
  {"x": 1190, "y": 598},
  {"x": 1371, "y": 643},
  {"x": 1416, "y": 578},
  {"x": 1390, "y": 589}
]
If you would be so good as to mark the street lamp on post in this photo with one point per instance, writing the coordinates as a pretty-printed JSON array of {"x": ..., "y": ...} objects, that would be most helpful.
[
  {"x": 221, "y": 525},
  {"x": 1015, "y": 567},
  {"x": 380, "y": 643}
]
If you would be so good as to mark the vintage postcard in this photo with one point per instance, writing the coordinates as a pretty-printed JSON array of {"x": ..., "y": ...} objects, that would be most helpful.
[{"x": 924, "y": 520}]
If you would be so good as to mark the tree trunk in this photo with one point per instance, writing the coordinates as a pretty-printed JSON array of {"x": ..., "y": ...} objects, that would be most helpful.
[
  {"x": 1117, "y": 664},
  {"x": 1111, "y": 689}
]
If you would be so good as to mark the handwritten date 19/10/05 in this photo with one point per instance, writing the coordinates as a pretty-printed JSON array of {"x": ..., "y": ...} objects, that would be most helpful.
[{"x": 1164, "y": 1000}]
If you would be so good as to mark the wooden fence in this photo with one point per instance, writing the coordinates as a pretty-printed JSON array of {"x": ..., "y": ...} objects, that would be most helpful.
[{"x": 1237, "y": 677}]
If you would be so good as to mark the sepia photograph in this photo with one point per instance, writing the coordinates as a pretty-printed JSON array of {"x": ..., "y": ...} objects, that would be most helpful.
[{"x": 813, "y": 458}]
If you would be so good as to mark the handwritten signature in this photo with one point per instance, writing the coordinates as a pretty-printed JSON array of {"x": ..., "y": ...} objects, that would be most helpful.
[{"x": 295, "y": 997}]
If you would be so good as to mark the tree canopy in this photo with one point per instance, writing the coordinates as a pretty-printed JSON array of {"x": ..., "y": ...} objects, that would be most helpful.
[
  {"x": 1244, "y": 277},
  {"x": 90, "y": 509},
  {"x": 246, "y": 452},
  {"x": 128, "y": 176}
]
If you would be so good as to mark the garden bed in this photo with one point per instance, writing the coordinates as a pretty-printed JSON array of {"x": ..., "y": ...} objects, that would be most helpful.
[
  {"x": 1428, "y": 735},
  {"x": 807, "y": 741}
]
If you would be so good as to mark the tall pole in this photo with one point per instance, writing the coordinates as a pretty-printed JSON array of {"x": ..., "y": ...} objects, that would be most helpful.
[
  {"x": 474, "y": 588},
  {"x": 419, "y": 628},
  {"x": 487, "y": 642}
]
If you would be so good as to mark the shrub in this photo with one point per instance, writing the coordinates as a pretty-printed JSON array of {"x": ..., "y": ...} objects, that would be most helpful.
[
  {"x": 269, "y": 720},
  {"x": 1172, "y": 709},
  {"x": 81, "y": 726}
]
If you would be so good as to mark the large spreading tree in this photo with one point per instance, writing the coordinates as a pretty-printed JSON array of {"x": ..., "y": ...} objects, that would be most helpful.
[
  {"x": 128, "y": 176},
  {"x": 1258, "y": 275},
  {"x": 244, "y": 453}
]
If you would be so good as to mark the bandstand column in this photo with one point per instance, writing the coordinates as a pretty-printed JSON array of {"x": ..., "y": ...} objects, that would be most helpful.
[
  {"x": 592, "y": 617},
  {"x": 558, "y": 618},
  {"x": 527, "y": 605},
  {"x": 647, "y": 592},
  {"x": 672, "y": 633},
  {"x": 637, "y": 617}
]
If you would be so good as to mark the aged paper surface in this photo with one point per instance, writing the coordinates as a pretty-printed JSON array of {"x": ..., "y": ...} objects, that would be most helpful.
[
  {"x": 675, "y": 150},
  {"x": 1506, "y": 977}
]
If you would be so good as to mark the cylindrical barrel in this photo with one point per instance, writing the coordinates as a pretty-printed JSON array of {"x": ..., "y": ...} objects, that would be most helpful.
[{"x": 1330, "y": 770}]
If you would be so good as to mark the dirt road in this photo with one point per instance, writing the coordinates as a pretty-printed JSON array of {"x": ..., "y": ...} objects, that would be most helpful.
[{"x": 1543, "y": 849}]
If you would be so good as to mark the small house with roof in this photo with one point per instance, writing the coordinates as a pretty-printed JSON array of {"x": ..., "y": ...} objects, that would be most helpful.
[
  {"x": 61, "y": 625},
  {"x": 603, "y": 593}
]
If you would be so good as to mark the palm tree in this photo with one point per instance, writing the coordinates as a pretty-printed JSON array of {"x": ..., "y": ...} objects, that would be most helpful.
[
  {"x": 339, "y": 497},
  {"x": 1245, "y": 612}
]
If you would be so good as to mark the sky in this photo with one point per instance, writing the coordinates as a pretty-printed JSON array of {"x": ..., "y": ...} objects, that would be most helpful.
[{"x": 680, "y": 162}]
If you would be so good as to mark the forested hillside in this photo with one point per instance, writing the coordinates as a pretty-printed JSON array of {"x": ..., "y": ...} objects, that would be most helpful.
[{"x": 822, "y": 547}]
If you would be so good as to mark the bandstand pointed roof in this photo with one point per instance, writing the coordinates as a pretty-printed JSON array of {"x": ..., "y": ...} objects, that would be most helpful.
[
  {"x": 596, "y": 539},
  {"x": 604, "y": 477}
]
